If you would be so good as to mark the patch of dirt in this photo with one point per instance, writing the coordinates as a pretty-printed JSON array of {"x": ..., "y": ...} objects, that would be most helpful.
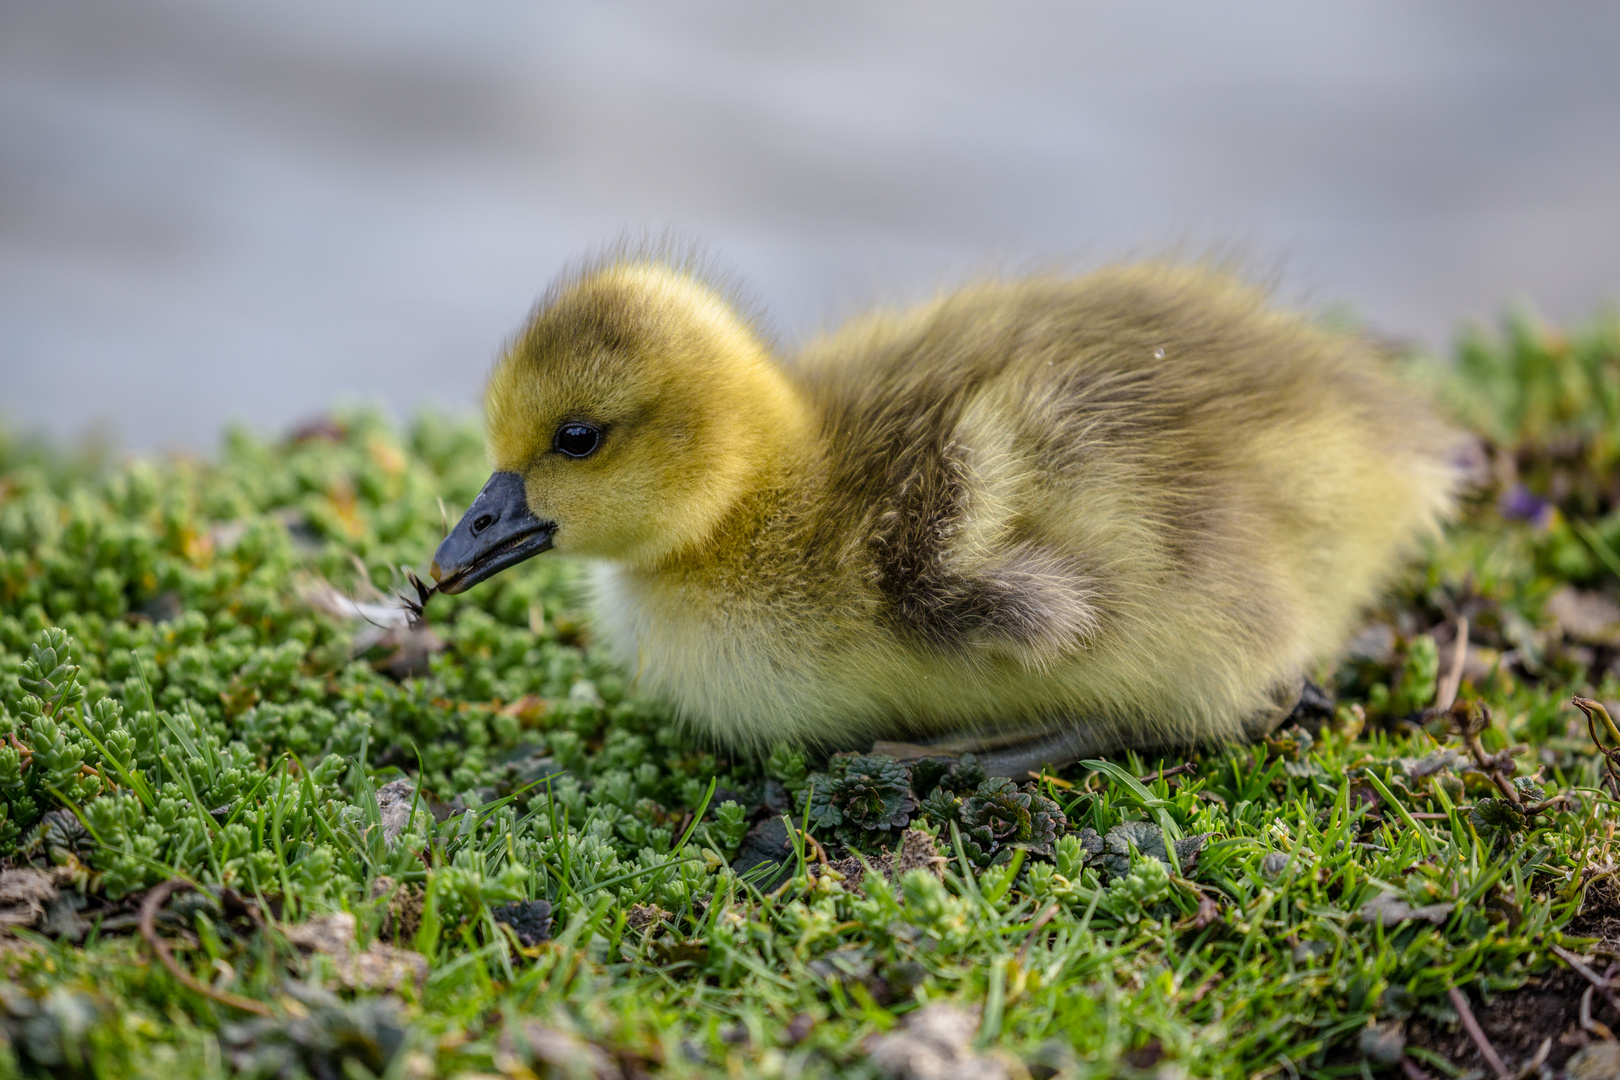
[
  {"x": 917, "y": 851},
  {"x": 1547, "y": 1006},
  {"x": 1599, "y": 917},
  {"x": 642, "y": 916},
  {"x": 405, "y": 907},
  {"x": 530, "y": 920},
  {"x": 24, "y": 895},
  {"x": 1516, "y": 1022},
  {"x": 380, "y": 967}
]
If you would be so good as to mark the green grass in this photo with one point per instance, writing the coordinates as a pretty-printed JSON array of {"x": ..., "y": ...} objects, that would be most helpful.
[{"x": 173, "y": 707}]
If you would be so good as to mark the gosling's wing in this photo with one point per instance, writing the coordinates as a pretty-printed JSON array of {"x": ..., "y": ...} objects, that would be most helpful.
[{"x": 936, "y": 502}]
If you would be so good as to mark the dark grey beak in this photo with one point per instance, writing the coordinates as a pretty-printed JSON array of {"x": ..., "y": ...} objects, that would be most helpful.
[{"x": 497, "y": 531}]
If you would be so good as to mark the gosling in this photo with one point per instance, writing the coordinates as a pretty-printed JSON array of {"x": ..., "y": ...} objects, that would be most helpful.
[{"x": 1039, "y": 519}]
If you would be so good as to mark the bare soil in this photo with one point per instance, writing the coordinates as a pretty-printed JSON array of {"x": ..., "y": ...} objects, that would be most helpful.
[{"x": 1548, "y": 1006}]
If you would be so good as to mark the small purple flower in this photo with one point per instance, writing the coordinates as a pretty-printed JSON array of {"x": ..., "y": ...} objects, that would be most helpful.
[{"x": 1519, "y": 503}]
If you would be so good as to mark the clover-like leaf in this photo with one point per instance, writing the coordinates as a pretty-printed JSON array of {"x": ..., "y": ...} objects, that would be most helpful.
[
  {"x": 941, "y": 806},
  {"x": 955, "y": 775},
  {"x": 1000, "y": 816},
  {"x": 1469, "y": 716},
  {"x": 1144, "y": 836},
  {"x": 1148, "y": 840},
  {"x": 965, "y": 776},
  {"x": 1494, "y": 815},
  {"x": 927, "y": 772},
  {"x": 1528, "y": 789},
  {"x": 1292, "y": 742},
  {"x": 861, "y": 797}
]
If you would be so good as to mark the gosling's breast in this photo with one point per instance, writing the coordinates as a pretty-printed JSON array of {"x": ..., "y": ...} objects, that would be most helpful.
[{"x": 733, "y": 666}]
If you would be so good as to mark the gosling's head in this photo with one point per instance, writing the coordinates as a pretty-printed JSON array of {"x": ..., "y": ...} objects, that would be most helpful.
[{"x": 630, "y": 415}]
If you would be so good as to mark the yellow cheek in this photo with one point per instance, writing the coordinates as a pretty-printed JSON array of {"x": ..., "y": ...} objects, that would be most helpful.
[
  {"x": 627, "y": 506},
  {"x": 584, "y": 504}
]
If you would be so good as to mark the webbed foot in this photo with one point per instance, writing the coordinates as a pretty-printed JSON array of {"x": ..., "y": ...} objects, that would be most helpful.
[{"x": 1020, "y": 754}]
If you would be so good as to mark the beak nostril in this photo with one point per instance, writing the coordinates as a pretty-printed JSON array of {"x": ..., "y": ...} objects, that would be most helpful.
[{"x": 497, "y": 531}]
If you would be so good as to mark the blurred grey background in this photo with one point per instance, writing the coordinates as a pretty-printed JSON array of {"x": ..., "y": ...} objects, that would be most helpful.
[{"x": 217, "y": 210}]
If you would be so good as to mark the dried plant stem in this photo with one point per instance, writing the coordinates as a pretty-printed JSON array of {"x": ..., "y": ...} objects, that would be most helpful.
[
  {"x": 1034, "y": 928},
  {"x": 1177, "y": 770},
  {"x": 26, "y": 753},
  {"x": 1459, "y": 1001},
  {"x": 1596, "y": 1027},
  {"x": 1531, "y": 1067},
  {"x": 1468, "y": 719},
  {"x": 1611, "y": 758},
  {"x": 155, "y": 899},
  {"x": 1446, "y": 694},
  {"x": 1589, "y": 706},
  {"x": 363, "y": 573},
  {"x": 1598, "y": 982},
  {"x": 1411, "y": 1071}
]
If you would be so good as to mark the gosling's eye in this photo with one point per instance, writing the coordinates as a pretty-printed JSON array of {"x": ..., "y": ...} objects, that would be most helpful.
[{"x": 577, "y": 440}]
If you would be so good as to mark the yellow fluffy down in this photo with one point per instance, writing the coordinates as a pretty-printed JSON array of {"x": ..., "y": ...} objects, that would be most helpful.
[{"x": 1132, "y": 508}]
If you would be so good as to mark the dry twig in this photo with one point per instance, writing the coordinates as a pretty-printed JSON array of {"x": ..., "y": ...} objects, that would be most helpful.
[
  {"x": 1611, "y": 758},
  {"x": 1411, "y": 1071},
  {"x": 1459, "y": 1001},
  {"x": 25, "y": 752},
  {"x": 1177, "y": 770},
  {"x": 1468, "y": 719},
  {"x": 1446, "y": 694},
  {"x": 1034, "y": 928},
  {"x": 1596, "y": 1027},
  {"x": 155, "y": 899},
  {"x": 1533, "y": 1066},
  {"x": 1599, "y": 983}
]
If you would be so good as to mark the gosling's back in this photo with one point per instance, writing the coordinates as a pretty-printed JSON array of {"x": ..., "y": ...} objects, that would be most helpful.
[{"x": 1137, "y": 505}]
